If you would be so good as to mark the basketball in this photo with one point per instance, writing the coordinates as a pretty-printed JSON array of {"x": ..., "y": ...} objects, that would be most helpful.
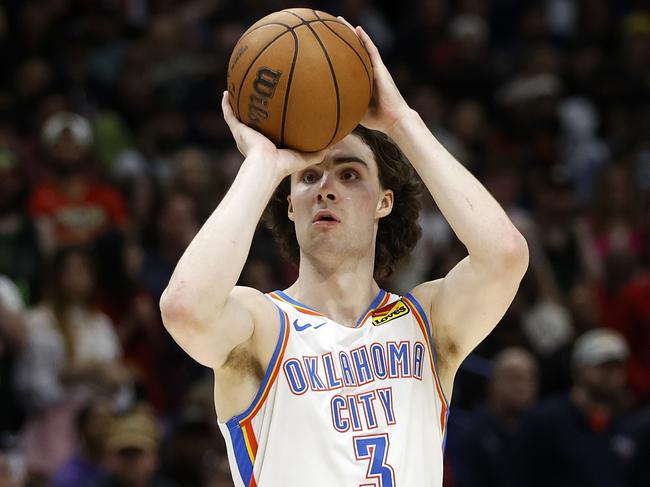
[{"x": 301, "y": 77}]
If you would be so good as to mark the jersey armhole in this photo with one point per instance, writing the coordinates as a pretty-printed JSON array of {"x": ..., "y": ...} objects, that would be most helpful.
[
  {"x": 422, "y": 319},
  {"x": 270, "y": 375}
]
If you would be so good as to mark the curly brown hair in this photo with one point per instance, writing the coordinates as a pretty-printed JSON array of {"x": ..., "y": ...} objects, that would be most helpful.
[{"x": 397, "y": 233}]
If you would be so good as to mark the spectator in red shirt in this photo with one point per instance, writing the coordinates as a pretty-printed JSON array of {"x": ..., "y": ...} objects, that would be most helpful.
[
  {"x": 634, "y": 324},
  {"x": 73, "y": 207}
]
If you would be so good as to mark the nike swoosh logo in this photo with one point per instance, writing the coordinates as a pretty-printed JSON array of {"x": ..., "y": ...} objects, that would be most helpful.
[{"x": 308, "y": 325}]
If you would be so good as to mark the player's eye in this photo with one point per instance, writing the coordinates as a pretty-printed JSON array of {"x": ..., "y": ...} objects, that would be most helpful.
[
  {"x": 349, "y": 175},
  {"x": 309, "y": 177}
]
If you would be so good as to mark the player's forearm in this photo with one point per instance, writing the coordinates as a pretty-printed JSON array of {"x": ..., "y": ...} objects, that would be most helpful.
[
  {"x": 475, "y": 216},
  {"x": 212, "y": 263}
]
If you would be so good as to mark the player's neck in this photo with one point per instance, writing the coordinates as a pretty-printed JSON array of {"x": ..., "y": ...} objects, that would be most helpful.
[{"x": 341, "y": 294}]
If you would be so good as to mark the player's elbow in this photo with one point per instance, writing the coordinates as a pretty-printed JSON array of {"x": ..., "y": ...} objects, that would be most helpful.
[
  {"x": 514, "y": 257},
  {"x": 176, "y": 308}
]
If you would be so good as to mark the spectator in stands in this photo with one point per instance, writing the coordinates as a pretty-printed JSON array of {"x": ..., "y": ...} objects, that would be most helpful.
[
  {"x": 73, "y": 207},
  {"x": 581, "y": 438},
  {"x": 634, "y": 324},
  {"x": 72, "y": 353},
  {"x": 193, "y": 453},
  {"x": 616, "y": 223},
  {"x": 132, "y": 443},
  {"x": 86, "y": 468},
  {"x": 484, "y": 456},
  {"x": 132, "y": 309},
  {"x": 20, "y": 255},
  {"x": 176, "y": 224},
  {"x": 193, "y": 175}
]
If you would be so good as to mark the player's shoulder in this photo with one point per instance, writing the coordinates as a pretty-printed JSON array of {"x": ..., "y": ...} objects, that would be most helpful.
[
  {"x": 250, "y": 297},
  {"x": 425, "y": 293},
  {"x": 258, "y": 304}
]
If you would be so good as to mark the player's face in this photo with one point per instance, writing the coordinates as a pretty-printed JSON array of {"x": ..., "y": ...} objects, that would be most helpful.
[{"x": 337, "y": 204}]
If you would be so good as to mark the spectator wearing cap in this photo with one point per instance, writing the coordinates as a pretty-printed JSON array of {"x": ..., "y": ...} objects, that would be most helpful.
[
  {"x": 132, "y": 444},
  {"x": 484, "y": 453},
  {"x": 582, "y": 438},
  {"x": 73, "y": 207}
]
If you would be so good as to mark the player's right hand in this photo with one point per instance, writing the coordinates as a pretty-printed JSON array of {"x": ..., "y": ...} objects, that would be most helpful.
[{"x": 252, "y": 143}]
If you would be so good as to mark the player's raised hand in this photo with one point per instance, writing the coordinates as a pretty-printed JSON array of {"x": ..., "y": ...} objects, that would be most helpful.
[
  {"x": 250, "y": 142},
  {"x": 387, "y": 105}
]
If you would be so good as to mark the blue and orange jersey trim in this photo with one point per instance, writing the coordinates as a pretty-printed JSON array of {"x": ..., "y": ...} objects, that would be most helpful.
[
  {"x": 241, "y": 426},
  {"x": 380, "y": 300},
  {"x": 425, "y": 327},
  {"x": 299, "y": 306}
]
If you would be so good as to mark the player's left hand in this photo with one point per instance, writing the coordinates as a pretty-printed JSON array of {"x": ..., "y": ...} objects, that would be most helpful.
[{"x": 387, "y": 104}]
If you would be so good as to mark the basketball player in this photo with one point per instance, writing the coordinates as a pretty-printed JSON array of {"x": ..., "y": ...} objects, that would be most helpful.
[{"x": 335, "y": 382}]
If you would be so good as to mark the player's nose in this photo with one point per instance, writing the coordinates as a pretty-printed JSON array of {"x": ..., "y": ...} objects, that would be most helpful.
[{"x": 326, "y": 190}]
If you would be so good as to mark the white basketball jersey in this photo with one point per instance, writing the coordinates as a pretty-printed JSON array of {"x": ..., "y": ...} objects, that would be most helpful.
[{"x": 342, "y": 406}]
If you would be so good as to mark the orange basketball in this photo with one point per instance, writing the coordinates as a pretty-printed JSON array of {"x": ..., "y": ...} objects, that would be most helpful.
[{"x": 301, "y": 77}]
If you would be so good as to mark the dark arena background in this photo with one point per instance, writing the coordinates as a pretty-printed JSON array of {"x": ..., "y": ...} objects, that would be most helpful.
[{"x": 113, "y": 152}]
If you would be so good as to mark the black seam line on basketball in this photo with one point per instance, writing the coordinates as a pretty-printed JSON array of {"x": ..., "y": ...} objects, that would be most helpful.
[
  {"x": 246, "y": 34},
  {"x": 343, "y": 39},
  {"x": 249, "y": 68},
  {"x": 304, "y": 21},
  {"x": 289, "y": 78},
  {"x": 329, "y": 62},
  {"x": 336, "y": 85}
]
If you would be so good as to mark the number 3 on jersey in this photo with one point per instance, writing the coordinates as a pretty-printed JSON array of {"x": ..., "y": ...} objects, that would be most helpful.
[{"x": 374, "y": 448}]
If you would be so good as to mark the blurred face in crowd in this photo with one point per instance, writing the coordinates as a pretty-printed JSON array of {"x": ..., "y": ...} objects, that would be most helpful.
[
  {"x": 193, "y": 171},
  {"x": 468, "y": 121},
  {"x": 33, "y": 78},
  {"x": 66, "y": 152},
  {"x": 605, "y": 383},
  {"x": 96, "y": 426},
  {"x": 178, "y": 221},
  {"x": 77, "y": 279},
  {"x": 514, "y": 384},
  {"x": 134, "y": 467}
]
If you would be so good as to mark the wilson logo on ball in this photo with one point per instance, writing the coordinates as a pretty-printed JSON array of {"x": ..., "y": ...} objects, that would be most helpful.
[{"x": 263, "y": 89}]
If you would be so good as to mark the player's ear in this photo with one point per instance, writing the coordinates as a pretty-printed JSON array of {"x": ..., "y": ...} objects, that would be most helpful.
[
  {"x": 290, "y": 208},
  {"x": 385, "y": 204}
]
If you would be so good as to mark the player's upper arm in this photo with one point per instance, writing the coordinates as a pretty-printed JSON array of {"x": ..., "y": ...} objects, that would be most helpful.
[
  {"x": 468, "y": 302},
  {"x": 209, "y": 340}
]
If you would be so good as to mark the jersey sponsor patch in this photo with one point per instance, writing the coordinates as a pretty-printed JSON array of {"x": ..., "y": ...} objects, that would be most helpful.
[{"x": 389, "y": 312}]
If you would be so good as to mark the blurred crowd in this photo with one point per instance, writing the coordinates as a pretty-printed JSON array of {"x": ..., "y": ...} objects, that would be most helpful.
[{"x": 113, "y": 152}]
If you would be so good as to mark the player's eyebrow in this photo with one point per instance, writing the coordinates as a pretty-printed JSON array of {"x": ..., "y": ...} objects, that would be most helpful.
[{"x": 344, "y": 159}]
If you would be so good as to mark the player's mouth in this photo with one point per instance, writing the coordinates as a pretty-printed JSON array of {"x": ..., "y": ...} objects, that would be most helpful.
[{"x": 326, "y": 218}]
